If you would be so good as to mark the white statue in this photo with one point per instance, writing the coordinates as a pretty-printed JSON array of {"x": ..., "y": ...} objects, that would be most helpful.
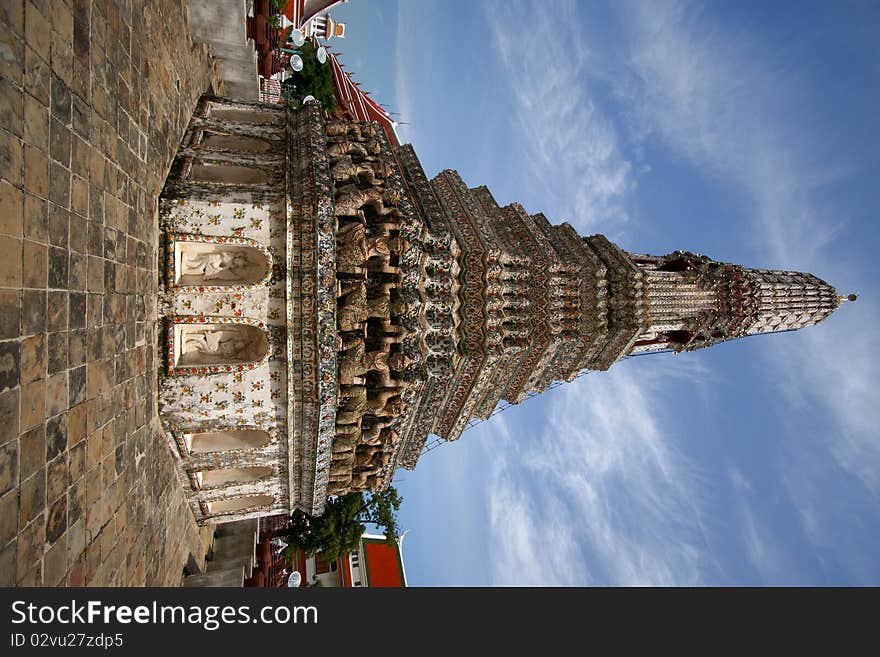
[
  {"x": 213, "y": 265},
  {"x": 206, "y": 344}
]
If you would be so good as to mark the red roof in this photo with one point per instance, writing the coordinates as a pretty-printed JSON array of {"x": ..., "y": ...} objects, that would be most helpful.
[
  {"x": 301, "y": 12},
  {"x": 355, "y": 104},
  {"x": 384, "y": 564}
]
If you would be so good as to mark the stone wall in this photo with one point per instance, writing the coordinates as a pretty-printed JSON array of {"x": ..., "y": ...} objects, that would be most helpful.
[{"x": 94, "y": 98}]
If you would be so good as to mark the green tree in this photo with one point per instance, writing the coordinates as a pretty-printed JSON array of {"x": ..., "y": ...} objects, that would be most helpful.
[
  {"x": 315, "y": 79},
  {"x": 343, "y": 522}
]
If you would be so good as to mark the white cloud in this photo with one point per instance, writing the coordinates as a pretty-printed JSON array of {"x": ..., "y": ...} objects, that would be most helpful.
[
  {"x": 571, "y": 150},
  {"x": 403, "y": 74},
  {"x": 719, "y": 100},
  {"x": 603, "y": 495}
]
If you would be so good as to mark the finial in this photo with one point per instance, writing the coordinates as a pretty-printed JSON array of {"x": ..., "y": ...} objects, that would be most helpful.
[{"x": 848, "y": 297}]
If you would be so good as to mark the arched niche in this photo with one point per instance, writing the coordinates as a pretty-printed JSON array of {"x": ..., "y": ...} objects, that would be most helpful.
[
  {"x": 236, "y": 475},
  {"x": 218, "y": 264},
  {"x": 238, "y": 143},
  {"x": 202, "y": 442},
  {"x": 215, "y": 344},
  {"x": 232, "y": 504},
  {"x": 229, "y": 174}
]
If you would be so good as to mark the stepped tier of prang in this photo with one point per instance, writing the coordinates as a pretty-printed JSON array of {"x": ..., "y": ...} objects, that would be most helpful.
[{"x": 380, "y": 306}]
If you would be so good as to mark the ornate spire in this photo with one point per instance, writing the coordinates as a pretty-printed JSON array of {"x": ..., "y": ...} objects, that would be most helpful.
[{"x": 695, "y": 302}]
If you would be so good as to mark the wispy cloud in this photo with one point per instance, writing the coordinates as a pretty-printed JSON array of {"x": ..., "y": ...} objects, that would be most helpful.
[
  {"x": 603, "y": 495},
  {"x": 403, "y": 73},
  {"x": 571, "y": 147},
  {"x": 714, "y": 99}
]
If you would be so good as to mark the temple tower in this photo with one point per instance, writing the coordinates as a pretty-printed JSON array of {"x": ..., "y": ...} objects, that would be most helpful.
[{"x": 328, "y": 307}]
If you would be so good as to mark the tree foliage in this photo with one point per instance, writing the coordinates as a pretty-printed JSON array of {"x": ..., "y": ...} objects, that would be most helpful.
[
  {"x": 343, "y": 522},
  {"x": 314, "y": 79}
]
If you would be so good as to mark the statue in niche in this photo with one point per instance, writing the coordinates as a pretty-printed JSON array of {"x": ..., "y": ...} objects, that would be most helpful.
[
  {"x": 342, "y": 466},
  {"x": 211, "y": 345},
  {"x": 346, "y": 170},
  {"x": 352, "y": 431},
  {"x": 352, "y": 308},
  {"x": 214, "y": 265},
  {"x": 379, "y": 400},
  {"x": 339, "y": 149},
  {"x": 377, "y": 361},
  {"x": 372, "y": 435},
  {"x": 350, "y": 198},
  {"x": 343, "y": 444},
  {"x": 367, "y": 456},
  {"x": 383, "y": 364},
  {"x": 351, "y": 248},
  {"x": 379, "y": 265},
  {"x": 346, "y": 128},
  {"x": 365, "y": 480},
  {"x": 353, "y": 398},
  {"x": 353, "y": 362}
]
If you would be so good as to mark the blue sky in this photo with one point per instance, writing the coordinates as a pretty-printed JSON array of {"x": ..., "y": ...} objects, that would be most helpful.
[{"x": 745, "y": 131}]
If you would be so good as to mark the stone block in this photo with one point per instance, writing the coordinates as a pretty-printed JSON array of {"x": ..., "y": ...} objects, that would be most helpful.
[
  {"x": 8, "y": 466},
  {"x": 77, "y": 385},
  {"x": 32, "y": 451},
  {"x": 33, "y": 498},
  {"x": 33, "y": 404},
  {"x": 10, "y": 364},
  {"x": 33, "y": 358},
  {"x": 10, "y": 314},
  {"x": 59, "y": 185},
  {"x": 62, "y": 23},
  {"x": 10, "y": 263},
  {"x": 37, "y": 75},
  {"x": 76, "y": 420},
  {"x": 56, "y": 520},
  {"x": 56, "y": 436},
  {"x": 8, "y": 520},
  {"x": 59, "y": 260},
  {"x": 36, "y": 123},
  {"x": 37, "y": 28},
  {"x": 55, "y": 564},
  {"x": 59, "y": 143},
  {"x": 33, "y": 311},
  {"x": 12, "y": 15},
  {"x": 95, "y": 282},
  {"x": 79, "y": 196},
  {"x": 76, "y": 344},
  {"x": 11, "y": 107},
  {"x": 11, "y": 209},
  {"x": 36, "y": 172},
  {"x": 76, "y": 535},
  {"x": 9, "y": 403},
  {"x": 11, "y": 157},
  {"x": 57, "y": 353},
  {"x": 34, "y": 265},
  {"x": 76, "y": 501},
  {"x": 30, "y": 549},
  {"x": 78, "y": 274},
  {"x": 11, "y": 54},
  {"x": 56, "y": 478},
  {"x": 36, "y": 219},
  {"x": 61, "y": 100},
  {"x": 59, "y": 225},
  {"x": 76, "y": 458},
  {"x": 56, "y": 317}
]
